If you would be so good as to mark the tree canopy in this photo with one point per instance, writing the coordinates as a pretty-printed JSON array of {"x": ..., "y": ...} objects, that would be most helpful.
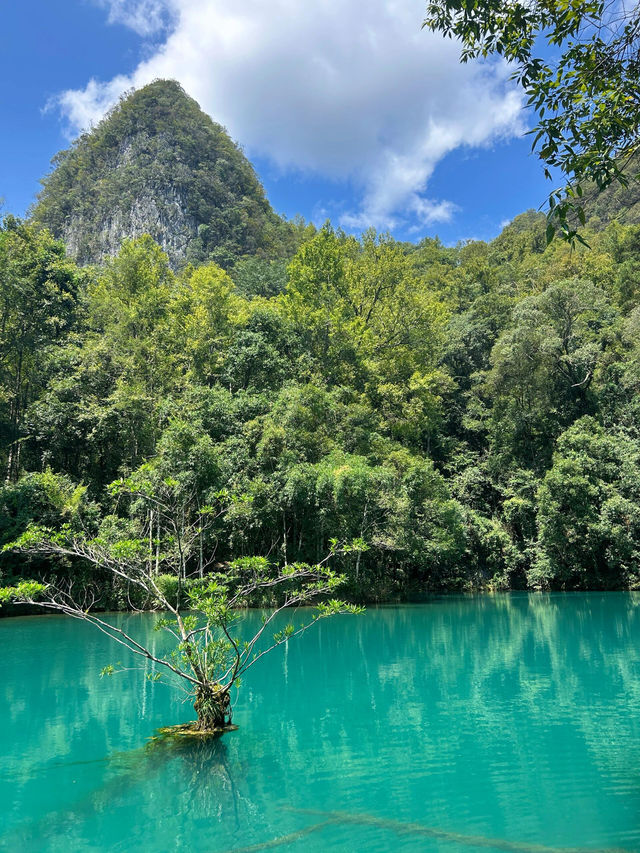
[{"x": 433, "y": 401}]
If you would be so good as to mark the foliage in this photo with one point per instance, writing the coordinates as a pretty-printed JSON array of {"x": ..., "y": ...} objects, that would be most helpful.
[
  {"x": 589, "y": 519},
  {"x": 585, "y": 90},
  {"x": 37, "y": 309},
  {"x": 211, "y": 654},
  {"x": 418, "y": 397}
]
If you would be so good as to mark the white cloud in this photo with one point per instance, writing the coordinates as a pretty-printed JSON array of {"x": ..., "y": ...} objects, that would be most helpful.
[
  {"x": 145, "y": 17},
  {"x": 344, "y": 89},
  {"x": 84, "y": 108}
]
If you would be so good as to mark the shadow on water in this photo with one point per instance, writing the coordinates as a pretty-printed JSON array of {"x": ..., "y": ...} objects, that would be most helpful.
[{"x": 198, "y": 765}]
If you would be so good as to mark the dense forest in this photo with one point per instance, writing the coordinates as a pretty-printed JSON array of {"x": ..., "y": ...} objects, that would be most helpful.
[{"x": 470, "y": 412}]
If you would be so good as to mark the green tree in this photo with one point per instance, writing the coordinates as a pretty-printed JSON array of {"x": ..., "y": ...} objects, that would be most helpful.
[
  {"x": 102, "y": 406},
  {"x": 211, "y": 654},
  {"x": 588, "y": 515},
  {"x": 45, "y": 499},
  {"x": 205, "y": 312},
  {"x": 129, "y": 308},
  {"x": 544, "y": 366},
  {"x": 38, "y": 290}
]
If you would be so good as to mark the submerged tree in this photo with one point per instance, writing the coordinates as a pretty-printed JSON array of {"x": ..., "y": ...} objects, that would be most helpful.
[{"x": 150, "y": 552}]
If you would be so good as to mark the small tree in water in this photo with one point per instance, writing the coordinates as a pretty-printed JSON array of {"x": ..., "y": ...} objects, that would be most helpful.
[{"x": 203, "y": 616}]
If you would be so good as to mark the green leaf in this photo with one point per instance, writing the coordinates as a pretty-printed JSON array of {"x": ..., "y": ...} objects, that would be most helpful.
[{"x": 550, "y": 232}]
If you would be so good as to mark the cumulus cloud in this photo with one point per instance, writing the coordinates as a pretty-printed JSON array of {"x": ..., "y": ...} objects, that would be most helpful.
[
  {"x": 84, "y": 108},
  {"x": 340, "y": 88},
  {"x": 145, "y": 17}
]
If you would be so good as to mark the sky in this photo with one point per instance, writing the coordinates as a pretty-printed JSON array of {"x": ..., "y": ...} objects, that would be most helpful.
[{"x": 348, "y": 110}]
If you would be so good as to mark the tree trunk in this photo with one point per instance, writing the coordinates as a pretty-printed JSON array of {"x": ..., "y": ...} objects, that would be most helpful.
[
  {"x": 157, "y": 571},
  {"x": 213, "y": 707}
]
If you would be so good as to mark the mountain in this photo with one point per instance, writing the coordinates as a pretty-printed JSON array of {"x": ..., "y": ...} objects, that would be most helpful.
[
  {"x": 157, "y": 164},
  {"x": 616, "y": 201}
]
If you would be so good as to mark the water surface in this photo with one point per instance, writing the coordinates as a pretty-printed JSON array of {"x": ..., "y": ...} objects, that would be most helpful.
[{"x": 464, "y": 724}]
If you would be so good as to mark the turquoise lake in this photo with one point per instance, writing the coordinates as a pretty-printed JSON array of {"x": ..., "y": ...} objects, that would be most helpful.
[{"x": 463, "y": 724}]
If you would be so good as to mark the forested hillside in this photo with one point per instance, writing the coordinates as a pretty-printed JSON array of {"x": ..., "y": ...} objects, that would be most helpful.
[
  {"x": 157, "y": 164},
  {"x": 470, "y": 412},
  {"x": 618, "y": 201}
]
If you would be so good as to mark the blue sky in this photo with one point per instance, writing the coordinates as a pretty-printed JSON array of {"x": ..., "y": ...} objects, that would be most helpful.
[{"x": 365, "y": 122}]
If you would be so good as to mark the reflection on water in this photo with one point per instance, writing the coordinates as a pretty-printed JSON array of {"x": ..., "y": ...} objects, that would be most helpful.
[{"x": 430, "y": 727}]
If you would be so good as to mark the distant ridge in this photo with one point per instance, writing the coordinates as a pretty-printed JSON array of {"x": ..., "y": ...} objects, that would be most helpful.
[{"x": 157, "y": 164}]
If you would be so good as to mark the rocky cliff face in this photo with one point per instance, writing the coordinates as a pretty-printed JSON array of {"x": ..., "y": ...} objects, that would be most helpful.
[
  {"x": 164, "y": 216},
  {"x": 158, "y": 165}
]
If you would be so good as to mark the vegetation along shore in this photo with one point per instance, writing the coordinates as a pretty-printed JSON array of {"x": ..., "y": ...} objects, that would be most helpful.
[{"x": 469, "y": 412}]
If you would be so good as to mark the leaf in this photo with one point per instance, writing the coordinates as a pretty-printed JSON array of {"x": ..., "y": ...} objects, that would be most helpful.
[{"x": 550, "y": 232}]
